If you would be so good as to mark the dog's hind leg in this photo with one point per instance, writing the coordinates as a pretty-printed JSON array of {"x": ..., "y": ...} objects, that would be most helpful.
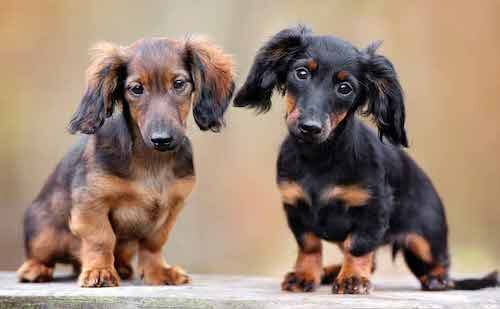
[
  {"x": 40, "y": 245},
  {"x": 429, "y": 264}
]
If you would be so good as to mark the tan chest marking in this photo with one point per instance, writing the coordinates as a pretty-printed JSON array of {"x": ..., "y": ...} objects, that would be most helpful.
[
  {"x": 291, "y": 192},
  {"x": 350, "y": 195},
  {"x": 140, "y": 206}
]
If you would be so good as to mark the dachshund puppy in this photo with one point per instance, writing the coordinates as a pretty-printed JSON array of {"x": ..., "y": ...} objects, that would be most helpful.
[
  {"x": 119, "y": 190},
  {"x": 340, "y": 182}
]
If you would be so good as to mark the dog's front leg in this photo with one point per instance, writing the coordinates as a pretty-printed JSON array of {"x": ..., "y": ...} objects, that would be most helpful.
[
  {"x": 152, "y": 264},
  {"x": 90, "y": 222},
  {"x": 359, "y": 250}
]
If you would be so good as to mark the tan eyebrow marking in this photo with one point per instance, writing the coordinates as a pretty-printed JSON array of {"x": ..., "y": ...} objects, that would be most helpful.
[
  {"x": 311, "y": 65},
  {"x": 342, "y": 75}
]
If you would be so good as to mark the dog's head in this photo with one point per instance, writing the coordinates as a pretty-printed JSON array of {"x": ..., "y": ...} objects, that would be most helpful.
[
  {"x": 325, "y": 80},
  {"x": 156, "y": 81}
]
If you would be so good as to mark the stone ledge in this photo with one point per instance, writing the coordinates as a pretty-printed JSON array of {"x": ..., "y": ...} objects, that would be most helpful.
[{"x": 212, "y": 291}]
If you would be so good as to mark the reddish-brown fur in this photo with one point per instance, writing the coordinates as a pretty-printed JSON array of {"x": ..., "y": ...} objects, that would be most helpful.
[
  {"x": 308, "y": 267},
  {"x": 115, "y": 195}
]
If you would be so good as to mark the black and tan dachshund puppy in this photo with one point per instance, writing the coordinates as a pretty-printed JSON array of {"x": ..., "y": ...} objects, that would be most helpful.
[
  {"x": 339, "y": 181},
  {"x": 119, "y": 190}
]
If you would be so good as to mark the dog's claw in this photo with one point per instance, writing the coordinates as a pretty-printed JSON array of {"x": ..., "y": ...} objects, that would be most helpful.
[{"x": 352, "y": 285}]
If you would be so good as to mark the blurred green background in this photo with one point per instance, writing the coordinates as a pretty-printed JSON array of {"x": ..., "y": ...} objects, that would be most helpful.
[{"x": 447, "y": 54}]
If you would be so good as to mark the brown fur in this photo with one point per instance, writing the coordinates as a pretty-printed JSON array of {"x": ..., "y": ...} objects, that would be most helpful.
[
  {"x": 291, "y": 110},
  {"x": 335, "y": 119},
  {"x": 291, "y": 192},
  {"x": 419, "y": 246},
  {"x": 124, "y": 253},
  {"x": 312, "y": 65},
  {"x": 308, "y": 267},
  {"x": 342, "y": 75},
  {"x": 217, "y": 65},
  {"x": 351, "y": 196},
  {"x": 116, "y": 193},
  {"x": 354, "y": 276},
  {"x": 290, "y": 104}
]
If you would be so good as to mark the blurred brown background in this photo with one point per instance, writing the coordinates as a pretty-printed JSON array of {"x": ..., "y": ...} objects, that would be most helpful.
[{"x": 447, "y": 55}]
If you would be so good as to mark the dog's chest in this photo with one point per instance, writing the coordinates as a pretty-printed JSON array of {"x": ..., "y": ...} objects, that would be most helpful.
[
  {"x": 330, "y": 219},
  {"x": 144, "y": 206}
]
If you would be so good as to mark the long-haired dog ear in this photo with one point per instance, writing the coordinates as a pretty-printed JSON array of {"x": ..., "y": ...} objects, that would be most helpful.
[
  {"x": 270, "y": 68},
  {"x": 384, "y": 96},
  {"x": 212, "y": 73},
  {"x": 103, "y": 75}
]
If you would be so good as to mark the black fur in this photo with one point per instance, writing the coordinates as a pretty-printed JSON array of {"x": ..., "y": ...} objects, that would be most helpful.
[
  {"x": 402, "y": 199},
  {"x": 270, "y": 67}
]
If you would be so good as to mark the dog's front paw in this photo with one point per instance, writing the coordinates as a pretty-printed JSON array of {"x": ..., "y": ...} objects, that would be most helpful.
[
  {"x": 300, "y": 282},
  {"x": 352, "y": 285},
  {"x": 99, "y": 277},
  {"x": 167, "y": 276}
]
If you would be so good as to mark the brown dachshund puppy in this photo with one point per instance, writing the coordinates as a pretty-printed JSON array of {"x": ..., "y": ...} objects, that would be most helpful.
[{"x": 119, "y": 190}]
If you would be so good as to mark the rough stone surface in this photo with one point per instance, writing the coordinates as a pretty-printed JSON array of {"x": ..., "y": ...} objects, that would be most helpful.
[{"x": 210, "y": 291}]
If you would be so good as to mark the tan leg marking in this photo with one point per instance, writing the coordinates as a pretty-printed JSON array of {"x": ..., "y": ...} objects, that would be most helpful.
[
  {"x": 419, "y": 246},
  {"x": 308, "y": 268},
  {"x": 354, "y": 276},
  {"x": 152, "y": 264},
  {"x": 91, "y": 223}
]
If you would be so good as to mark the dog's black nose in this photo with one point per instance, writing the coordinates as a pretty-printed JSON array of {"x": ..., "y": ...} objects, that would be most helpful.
[
  {"x": 310, "y": 127},
  {"x": 162, "y": 142}
]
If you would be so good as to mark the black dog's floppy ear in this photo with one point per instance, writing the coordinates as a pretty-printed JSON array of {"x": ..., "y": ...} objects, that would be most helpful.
[
  {"x": 107, "y": 66},
  {"x": 270, "y": 68},
  {"x": 212, "y": 73},
  {"x": 385, "y": 99}
]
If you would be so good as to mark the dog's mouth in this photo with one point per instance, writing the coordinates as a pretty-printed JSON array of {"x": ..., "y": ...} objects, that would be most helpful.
[
  {"x": 165, "y": 148},
  {"x": 307, "y": 138}
]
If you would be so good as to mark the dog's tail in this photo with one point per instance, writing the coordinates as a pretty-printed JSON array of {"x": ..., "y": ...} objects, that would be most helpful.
[{"x": 488, "y": 281}]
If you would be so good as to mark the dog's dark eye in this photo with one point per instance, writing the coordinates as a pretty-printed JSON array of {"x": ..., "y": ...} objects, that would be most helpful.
[
  {"x": 179, "y": 84},
  {"x": 302, "y": 73},
  {"x": 137, "y": 89},
  {"x": 344, "y": 88}
]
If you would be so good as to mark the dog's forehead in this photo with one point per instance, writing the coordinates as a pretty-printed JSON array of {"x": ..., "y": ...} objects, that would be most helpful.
[
  {"x": 156, "y": 56},
  {"x": 332, "y": 52}
]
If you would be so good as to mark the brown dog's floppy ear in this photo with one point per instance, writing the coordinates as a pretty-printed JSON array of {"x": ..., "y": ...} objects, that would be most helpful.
[
  {"x": 384, "y": 96},
  {"x": 270, "y": 68},
  {"x": 212, "y": 73},
  {"x": 103, "y": 75}
]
